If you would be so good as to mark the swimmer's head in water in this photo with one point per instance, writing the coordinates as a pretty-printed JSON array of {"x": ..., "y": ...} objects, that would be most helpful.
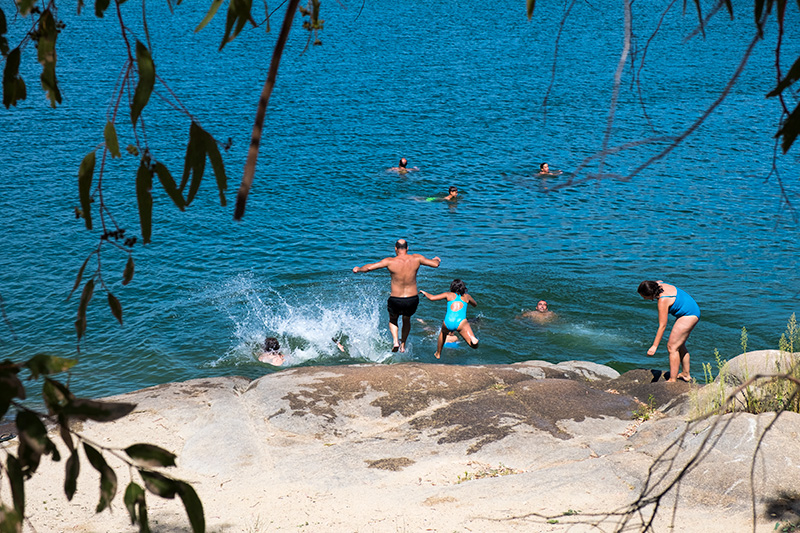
[
  {"x": 649, "y": 289},
  {"x": 458, "y": 287},
  {"x": 541, "y": 306},
  {"x": 453, "y": 190},
  {"x": 544, "y": 167},
  {"x": 403, "y": 162},
  {"x": 271, "y": 344},
  {"x": 401, "y": 244}
]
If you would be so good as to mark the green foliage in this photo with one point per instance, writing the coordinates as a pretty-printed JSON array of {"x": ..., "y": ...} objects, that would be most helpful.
[
  {"x": 63, "y": 408},
  {"x": 646, "y": 410},
  {"x": 775, "y": 391}
]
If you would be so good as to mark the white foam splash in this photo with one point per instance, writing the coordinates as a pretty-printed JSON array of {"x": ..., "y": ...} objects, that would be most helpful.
[{"x": 304, "y": 319}]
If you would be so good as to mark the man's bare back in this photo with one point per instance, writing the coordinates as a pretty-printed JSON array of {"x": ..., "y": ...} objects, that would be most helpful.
[{"x": 403, "y": 299}]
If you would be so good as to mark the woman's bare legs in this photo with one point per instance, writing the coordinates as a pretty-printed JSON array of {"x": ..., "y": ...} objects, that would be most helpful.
[{"x": 676, "y": 346}]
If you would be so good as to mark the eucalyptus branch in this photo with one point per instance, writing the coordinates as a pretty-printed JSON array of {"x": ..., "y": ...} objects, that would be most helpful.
[{"x": 266, "y": 92}]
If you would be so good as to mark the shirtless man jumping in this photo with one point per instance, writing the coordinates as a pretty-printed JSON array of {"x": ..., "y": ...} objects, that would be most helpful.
[{"x": 404, "y": 298}]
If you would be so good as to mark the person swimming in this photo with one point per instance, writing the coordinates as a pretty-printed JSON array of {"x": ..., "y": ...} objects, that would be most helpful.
[
  {"x": 402, "y": 167},
  {"x": 452, "y": 195},
  {"x": 456, "y": 317},
  {"x": 544, "y": 170},
  {"x": 272, "y": 353},
  {"x": 541, "y": 314}
]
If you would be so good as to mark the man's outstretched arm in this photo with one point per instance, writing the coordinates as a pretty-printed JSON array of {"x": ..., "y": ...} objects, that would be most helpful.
[
  {"x": 383, "y": 263},
  {"x": 435, "y": 262}
]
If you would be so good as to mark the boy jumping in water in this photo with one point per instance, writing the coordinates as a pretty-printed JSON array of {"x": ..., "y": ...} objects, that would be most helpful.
[{"x": 456, "y": 317}]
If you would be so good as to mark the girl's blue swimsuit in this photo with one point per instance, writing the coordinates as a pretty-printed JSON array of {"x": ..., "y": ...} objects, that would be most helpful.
[
  {"x": 684, "y": 305},
  {"x": 453, "y": 318}
]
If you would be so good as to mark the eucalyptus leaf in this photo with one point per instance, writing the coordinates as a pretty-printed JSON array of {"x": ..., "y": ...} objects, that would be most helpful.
[
  {"x": 212, "y": 149},
  {"x": 86, "y": 296},
  {"x": 792, "y": 76},
  {"x": 99, "y": 411},
  {"x": 108, "y": 479},
  {"x": 42, "y": 364},
  {"x": 112, "y": 143},
  {"x": 147, "y": 80},
  {"x": 144, "y": 198},
  {"x": 56, "y": 396},
  {"x": 158, "y": 484},
  {"x": 134, "y": 497},
  {"x": 127, "y": 274},
  {"x": 150, "y": 455},
  {"x": 85, "y": 174},
  {"x": 116, "y": 307},
  {"x": 3, "y": 30},
  {"x": 80, "y": 275},
  {"x": 32, "y": 441},
  {"x": 100, "y": 7},
  {"x": 46, "y": 53},
  {"x": 195, "y": 162},
  {"x": 25, "y": 6},
  {"x": 169, "y": 185},
  {"x": 530, "y": 5},
  {"x": 13, "y": 85},
  {"x": 17, "y": 482},
  {"x": 790, "y": 129},
  {"x": 210, "y": 15},
  {"x": 10, "y": 386},
  {"x": 73, "y": 469},
  {"x": 193, "y": 506}
]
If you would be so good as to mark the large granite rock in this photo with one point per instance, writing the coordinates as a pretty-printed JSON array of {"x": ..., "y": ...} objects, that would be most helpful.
[{"x": 413, "y": 447}]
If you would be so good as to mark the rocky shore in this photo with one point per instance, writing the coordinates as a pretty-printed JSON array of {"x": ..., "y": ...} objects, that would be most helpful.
[{"x": 413, "y": 447}]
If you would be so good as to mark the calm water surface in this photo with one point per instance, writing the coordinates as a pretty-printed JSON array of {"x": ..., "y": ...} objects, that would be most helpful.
[{"x": 457, "y": 89}]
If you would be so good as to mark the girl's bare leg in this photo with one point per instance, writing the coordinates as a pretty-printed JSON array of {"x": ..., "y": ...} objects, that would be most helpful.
[
  {"x": 466, "y": 331},
  {"x": 440, "y": 342}
]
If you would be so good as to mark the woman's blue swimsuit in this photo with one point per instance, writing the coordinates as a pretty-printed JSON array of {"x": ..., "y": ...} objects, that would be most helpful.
[
  {"x": 453, "y": 318},
  {"x": 684, "y": 305}
]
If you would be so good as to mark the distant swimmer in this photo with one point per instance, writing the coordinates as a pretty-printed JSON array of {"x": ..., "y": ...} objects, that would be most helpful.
[
  {"x": 403, "y": 299},
  {"x": 676, "y": 302},
  {"x": 544, "y": 170},
  {"x": 452, "y": 195},
  {"x": 272, "y": 352},
  {"x": 402, "y": 167},
  {"x": 456, "y": 317},
  {"x": 541, "y": 314}
]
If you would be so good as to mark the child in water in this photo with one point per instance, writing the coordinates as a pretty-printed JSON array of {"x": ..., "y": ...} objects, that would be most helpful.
[
  {"x": 456, "y": 317},
  {"x": 272, "y": 352}
]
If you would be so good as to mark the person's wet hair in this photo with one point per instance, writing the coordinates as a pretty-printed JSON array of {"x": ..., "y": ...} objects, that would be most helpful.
[
  {"x": 459, "y": 287},
  {"x": 650, "y": 289},
  {"x": 541, "y": 167},
  {"x": 401, "y": 245},
  {"x": 452, "y": 189},
  {"x": 403, "y": 163},
  {"x": 271, "y": 344}
]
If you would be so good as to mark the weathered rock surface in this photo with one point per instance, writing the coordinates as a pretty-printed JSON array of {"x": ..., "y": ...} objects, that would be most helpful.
[{"x": 412, "y": 447}]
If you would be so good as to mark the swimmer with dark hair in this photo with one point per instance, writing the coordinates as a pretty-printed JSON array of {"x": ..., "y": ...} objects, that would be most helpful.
[
  {"x": 544, "y": 170},
  {"x": 676, "y": 302},
  {"x": 402, "y": 167},
  {"x": 456, "y": 317},
  {"x": 452, "y": 195},
  {"x": 272, "y": 352}
]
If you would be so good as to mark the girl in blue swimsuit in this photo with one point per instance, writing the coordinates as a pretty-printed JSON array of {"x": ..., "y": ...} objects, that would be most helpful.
[
  {"x": 676, "y": 302},
  {"x": 456, "y": 317}
]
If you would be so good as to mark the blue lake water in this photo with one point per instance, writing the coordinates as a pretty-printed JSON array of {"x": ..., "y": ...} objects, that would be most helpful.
[{"x": 458, "y": 90}]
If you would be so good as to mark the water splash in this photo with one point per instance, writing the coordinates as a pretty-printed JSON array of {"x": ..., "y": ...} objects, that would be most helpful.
[{"x": 305, "y": 318}]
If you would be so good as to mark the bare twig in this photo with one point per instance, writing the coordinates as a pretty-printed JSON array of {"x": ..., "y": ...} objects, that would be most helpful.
[{"x": 266, "y": 92}]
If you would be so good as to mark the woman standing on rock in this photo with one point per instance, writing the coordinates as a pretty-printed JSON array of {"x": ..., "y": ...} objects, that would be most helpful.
[{"x": 679, "y": 304}]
